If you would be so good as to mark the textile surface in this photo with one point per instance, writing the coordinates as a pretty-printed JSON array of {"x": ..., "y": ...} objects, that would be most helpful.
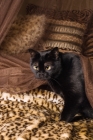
[
  {"x": 8, "y": 11},
  {"x": 73, "y": 10},
  {"x": 88, "y": 41},
  {"x": 35, "y": 115},
  {"x": 67, "y": 25},
  {"x": 15, "y": 73},
  {"x": 25, "y": 32},
  {"x": 66, "y": 35},
  {"x": 87, "y": 65}
]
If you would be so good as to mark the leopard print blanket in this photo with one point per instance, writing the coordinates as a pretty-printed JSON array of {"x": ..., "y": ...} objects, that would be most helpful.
[{"x": 35, "y": 115}]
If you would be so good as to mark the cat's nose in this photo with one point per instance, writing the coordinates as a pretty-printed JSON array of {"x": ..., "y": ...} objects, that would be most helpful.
[{"x": 41, "y": 75}]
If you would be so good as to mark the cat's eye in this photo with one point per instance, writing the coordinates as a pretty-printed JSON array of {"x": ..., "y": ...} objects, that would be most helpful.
[
  {"x": 48, "y": 67},
  {"x": 35, "y": 67}
]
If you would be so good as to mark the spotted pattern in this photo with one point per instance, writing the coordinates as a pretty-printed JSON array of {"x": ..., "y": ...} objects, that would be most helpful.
[{"x": 35, "y": 115}]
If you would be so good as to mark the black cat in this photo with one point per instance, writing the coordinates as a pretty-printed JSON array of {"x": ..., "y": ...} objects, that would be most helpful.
[{"x": 64, "y": 73}]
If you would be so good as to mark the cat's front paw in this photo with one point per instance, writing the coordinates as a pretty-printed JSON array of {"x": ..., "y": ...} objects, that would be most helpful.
[
  {"x": 61, "y": 118},
  {"x": 66, "y": 117}
]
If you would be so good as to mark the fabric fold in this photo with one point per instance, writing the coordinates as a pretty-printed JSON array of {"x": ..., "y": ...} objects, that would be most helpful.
[
  {"x": 15, "y": 74},
  {"x": 87, "y": 65},
  {"x": 8, "y": 11}
]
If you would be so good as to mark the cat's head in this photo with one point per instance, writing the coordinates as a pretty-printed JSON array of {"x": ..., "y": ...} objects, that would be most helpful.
[{"x": 45, "y": 64}]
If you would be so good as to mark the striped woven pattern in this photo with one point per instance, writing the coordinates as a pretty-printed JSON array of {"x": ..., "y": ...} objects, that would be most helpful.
[{"x": 66, "y": 35}]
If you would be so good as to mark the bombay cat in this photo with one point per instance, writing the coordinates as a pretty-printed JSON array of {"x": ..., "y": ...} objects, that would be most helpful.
[{"x": 63, "y": 72}]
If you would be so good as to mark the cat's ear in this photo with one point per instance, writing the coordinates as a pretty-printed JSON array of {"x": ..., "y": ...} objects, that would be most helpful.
[
  {"x": 55, "y": 52},
  {"x": 32, "y": 52}
]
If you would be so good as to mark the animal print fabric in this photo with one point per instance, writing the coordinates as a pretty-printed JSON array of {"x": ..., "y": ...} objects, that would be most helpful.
[
  {"x": 35, "y": 115},
  {"x": 83, "y": 130},
  {"x": 24, "y": 33}
]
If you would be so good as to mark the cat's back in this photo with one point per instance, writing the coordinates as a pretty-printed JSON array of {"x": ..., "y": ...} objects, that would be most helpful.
[{"x": 70, "y": 56}]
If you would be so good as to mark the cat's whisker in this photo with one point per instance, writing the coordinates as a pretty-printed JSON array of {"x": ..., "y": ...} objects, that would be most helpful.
[
  {"x": 51, "y": 85},
  {"x": 56, "y": 82}
]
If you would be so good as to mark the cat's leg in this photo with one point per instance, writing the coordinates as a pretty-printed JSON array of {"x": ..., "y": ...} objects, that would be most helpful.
[
  {"x": 56, "y": 88},
  {"x": 87, "y": 112},
  {"x": 69, "y": 111}
]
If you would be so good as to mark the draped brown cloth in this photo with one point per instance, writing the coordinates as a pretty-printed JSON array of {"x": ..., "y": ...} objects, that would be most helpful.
[
  {"x": 87, "y": 65},
  {"x": 15, "y": 74},
  {"x": 8, "y": 11}
]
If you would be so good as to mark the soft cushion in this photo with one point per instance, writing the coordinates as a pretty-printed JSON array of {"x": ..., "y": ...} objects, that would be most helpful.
[
  {"x": 24, "y": 34},
  {"x": 66, "y": 35}
]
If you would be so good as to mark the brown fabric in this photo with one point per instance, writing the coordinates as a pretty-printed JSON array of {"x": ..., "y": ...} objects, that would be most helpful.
[
  {"x": 78, "y": 15},
  {"x": 88, "y": 40},
  {"x": 88, "y": 76},
  {"x": 65, "y": 5},
  {"x": 8, "y": 11},
  {"x": 15, "y": 74},
  {"x": 25, "y": 32}
]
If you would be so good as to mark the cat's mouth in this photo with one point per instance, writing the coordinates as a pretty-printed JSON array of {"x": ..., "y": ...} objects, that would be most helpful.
[{"x": 42, "y": 76}]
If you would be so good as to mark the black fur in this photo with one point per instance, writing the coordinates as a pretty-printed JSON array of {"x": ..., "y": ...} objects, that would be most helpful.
[{"x": 65, "y": 78}]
